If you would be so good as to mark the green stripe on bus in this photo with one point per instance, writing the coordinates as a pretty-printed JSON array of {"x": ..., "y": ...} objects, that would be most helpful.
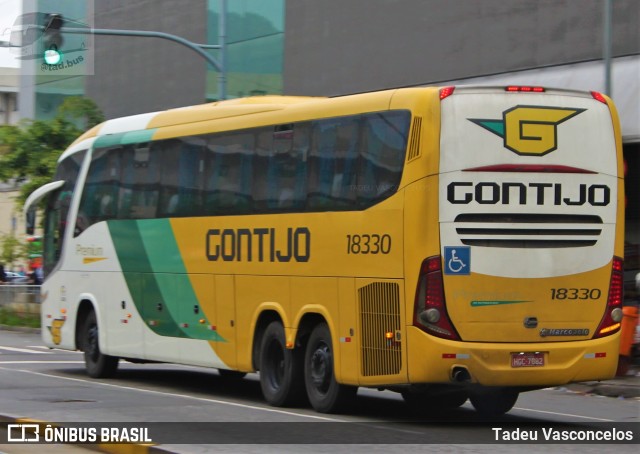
[
  {"x": 137, "y": 271},
  {"x": 124, "y": 138},
  {"x": 158, "y": 296},
  {"x": 172, "y": 278}
]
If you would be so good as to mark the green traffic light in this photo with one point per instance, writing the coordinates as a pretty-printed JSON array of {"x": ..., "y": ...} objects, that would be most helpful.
[
  {"x": 52, "y": 56},
  {"x": 52, "y": 39}
]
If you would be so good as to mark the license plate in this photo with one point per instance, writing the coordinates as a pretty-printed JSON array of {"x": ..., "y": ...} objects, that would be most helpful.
[{"x": 527, "y": 359}]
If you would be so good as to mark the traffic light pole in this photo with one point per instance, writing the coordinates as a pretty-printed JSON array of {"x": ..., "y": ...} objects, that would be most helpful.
[{"x": 198, "y": 48}]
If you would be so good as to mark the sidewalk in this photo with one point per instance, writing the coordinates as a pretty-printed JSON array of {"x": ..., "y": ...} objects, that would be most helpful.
[{"x": 627, "y": 387}]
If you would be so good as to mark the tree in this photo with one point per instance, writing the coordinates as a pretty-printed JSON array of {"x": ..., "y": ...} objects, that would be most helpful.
[
  {"x": 83, "y": 110},
  {"x": 30, "y": 150},
  {"x": 12, "y": 249}
]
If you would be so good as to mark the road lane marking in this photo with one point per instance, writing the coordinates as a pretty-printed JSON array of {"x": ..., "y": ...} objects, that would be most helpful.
[
  {"x": 183, "y": 396},
  {"x": 42, "y": 362},
  {"x": 53, "y": 350},
  {"x": 41, "y": 347},
  {"x": 24, "y": 350},
  {"x": 563, "y": 414}
]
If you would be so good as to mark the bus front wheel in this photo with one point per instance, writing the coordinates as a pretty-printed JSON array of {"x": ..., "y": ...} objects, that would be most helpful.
[
  {"x": 324, "y": 393},
  {"x": 98, "y": 364},
  {"x": 280, "y": 369},
  {"x": 494, "y": 402}
]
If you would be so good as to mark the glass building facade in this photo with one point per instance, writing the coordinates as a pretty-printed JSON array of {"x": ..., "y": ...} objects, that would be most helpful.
[
  {"x": 255, "y": 47},
  {"x": 44, "y": 87},
  {"x": 53, "y": 83},
  {"x": 254, "y": 52}
]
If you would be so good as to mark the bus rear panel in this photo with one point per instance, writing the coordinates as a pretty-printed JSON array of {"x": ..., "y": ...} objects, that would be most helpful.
[{"x": 526, "y": 289}]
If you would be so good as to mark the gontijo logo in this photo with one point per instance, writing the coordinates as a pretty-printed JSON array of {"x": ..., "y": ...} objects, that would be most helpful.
[{"x": 529, "y": 130}]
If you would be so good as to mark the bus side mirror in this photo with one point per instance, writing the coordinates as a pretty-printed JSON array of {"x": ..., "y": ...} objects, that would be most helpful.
[{"x": 31, "y": 220}]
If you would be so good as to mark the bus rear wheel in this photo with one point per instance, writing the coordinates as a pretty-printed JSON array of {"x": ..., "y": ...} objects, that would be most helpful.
[
  {"x": 281, "y": 378},
  {"x": 98, "y": 364},
  {"x": 324, "y": 393},
  {"x": 494, "y": 402}
]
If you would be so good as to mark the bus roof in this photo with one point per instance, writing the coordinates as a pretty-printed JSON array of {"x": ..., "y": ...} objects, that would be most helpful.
[
  {"x": 190, "y": 114},
  {"x": 293, "y": 108}
]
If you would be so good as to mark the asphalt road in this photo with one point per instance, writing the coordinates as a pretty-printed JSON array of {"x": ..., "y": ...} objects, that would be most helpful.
[{"x": 191, "y": 410}]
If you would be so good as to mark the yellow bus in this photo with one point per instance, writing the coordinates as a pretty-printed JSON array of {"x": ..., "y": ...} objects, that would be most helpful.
[{"x": 447, "y": 243}]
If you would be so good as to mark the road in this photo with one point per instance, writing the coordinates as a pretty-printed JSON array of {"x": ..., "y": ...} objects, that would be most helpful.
[{"x": 191, "y": 410}]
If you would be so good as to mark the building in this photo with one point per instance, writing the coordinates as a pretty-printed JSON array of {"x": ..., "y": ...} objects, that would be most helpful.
[
  {"x": 9, "y": 218},
  {"x": 335, "y": 47},
  {"x": 127, "y": 75},
  {"x": 9, "y": 95}
]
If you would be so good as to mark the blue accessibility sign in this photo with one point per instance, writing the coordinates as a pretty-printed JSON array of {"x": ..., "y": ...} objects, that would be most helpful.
[{"x": 457, "y": 260}]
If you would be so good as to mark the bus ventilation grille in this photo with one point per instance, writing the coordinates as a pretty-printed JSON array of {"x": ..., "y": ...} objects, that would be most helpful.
[
  {"x": 528, "y": 230},
  {"x": 379, "y": 316},
  {"x": 414, "y": 140}
]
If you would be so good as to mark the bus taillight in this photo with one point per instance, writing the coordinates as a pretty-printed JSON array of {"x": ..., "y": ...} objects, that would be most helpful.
[
  {"x": 430, "y": 312},
  {"x": 524, "y": 89},
  {"x": 599, "y": 97},
  {"x": 445, "y": 92},
  {"x": 610, "y": 323}
]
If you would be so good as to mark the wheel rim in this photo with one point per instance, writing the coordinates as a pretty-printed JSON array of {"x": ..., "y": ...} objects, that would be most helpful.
[
  {"x": 275, "y": 361},
  {"x": 321, "y": 368}
]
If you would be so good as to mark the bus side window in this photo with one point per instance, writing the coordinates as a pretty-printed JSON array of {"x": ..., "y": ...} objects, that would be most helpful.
[
  {"x": 283, "y": 186},
  {"x": 55, "y": 225},
  {"x": 321, "y": 169},
  {"x": 169, "y": 151},
  {"x": 294, "y": 192},
  {"x": 191, "y": 174},
  {"x": 146, "y": 181},
  {"x": 57, "y": 219},
  {"x": 99, "y": 196},
  {"x": 333, "y": 164},
  {"x": 384, "y": 142},
  {"x": 125, "y": 188},
  {"x": 369, "y": 175},
  {"x": 347, "y": 154},
  {"x": 229, "y": 182},
  {"x": 263, "y": 176},
  {"x": 108, "y": 198},
  {"x": 91, "y": 194}
]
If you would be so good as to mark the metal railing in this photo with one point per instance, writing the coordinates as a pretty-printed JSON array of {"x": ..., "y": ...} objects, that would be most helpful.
[{"x": 10, "y": 293}]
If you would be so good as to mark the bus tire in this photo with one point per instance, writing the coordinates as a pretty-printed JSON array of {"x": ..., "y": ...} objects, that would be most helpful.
[
  {"x": 494, "y": 402},
  {"x": 98, "y": 364},
  {"x": 324, "y": 393},
  {"x": 281, "y": 378}
]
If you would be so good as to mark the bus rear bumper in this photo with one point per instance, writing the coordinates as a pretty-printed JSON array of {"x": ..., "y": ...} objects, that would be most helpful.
[{"x": 434, "y": 360}]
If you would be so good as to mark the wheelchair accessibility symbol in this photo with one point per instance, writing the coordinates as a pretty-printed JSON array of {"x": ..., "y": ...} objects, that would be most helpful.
[{"x": 457, "y": 260}]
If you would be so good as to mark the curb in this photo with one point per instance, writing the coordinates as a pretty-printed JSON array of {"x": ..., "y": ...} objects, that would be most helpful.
[
  {"x": 620, "y": 387},
  {"x": 20, "y": 329},
  {"x": 110, "y": 448},
  {"x": 614, "y": 390}
]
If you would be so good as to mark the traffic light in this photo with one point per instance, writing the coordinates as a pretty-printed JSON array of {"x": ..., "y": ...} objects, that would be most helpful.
[{"x": 52, "y": 38}]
